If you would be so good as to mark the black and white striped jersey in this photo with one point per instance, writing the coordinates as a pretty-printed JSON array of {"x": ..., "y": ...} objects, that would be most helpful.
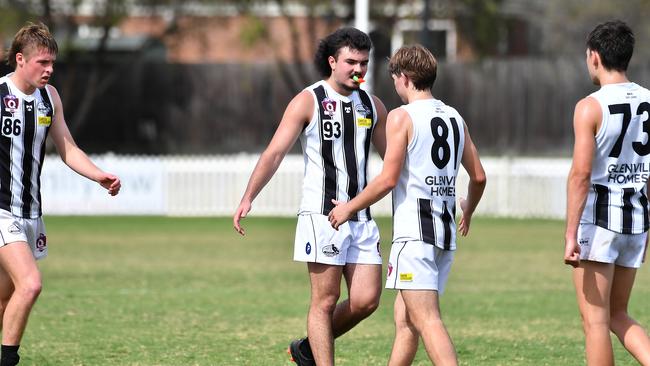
[
  {"x": 617, "y": 199},
  {"x": 424, "y": 200},
  {"x": 26, "y": 120},
  {"x": 335, "y": 146}
]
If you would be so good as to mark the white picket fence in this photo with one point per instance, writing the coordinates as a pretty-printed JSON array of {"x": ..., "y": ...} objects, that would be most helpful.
[{"x": 213, "y": 185}]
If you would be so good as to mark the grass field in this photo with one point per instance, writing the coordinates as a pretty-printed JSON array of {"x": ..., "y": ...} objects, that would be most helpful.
[{"x": 189, "y": 291}]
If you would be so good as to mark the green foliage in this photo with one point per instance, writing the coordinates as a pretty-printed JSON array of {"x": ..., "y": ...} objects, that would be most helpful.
[
  {"x": 190, "y": 291},
  {"x": 254, "y": 31}
]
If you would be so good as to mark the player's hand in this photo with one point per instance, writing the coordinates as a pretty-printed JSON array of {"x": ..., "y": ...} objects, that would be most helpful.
[
  {"x": 572, "y": 253},
  {"x": 339, "y": 214},
  {"x": 242, "y": 211},
  {"x": 465, "y": 219},
  {"x": 110, "y": 182}
]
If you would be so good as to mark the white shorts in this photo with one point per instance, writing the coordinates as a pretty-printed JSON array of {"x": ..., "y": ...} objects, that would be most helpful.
[
  {"x": 32, "y": 231},
  {"x": 416, "y": 265},
  {"x": 601, "y": 245},
  {"x": 354, "y": 242}
]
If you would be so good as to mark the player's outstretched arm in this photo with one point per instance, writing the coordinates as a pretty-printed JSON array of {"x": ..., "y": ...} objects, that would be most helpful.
[
  {"x": 296, "y": 116},
  {"x": 477, "y": 180},
  {"x": 586, "y": 117},
  {"x": 72, "y": 155},
  {"x": 397, "y": 134}
]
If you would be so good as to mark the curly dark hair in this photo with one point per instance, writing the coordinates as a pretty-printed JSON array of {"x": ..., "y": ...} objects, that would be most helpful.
[{"x": 330, "y": 46}]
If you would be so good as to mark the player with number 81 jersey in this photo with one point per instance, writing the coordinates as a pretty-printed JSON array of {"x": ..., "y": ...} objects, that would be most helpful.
[
  {"x": 617, "y": 199},
  {"x": 424, "y": 198}
]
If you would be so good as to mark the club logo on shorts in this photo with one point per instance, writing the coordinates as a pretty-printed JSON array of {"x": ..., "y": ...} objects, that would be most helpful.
[
  {"x": 14, "y": 228},
  {"x": 41, "y": 242},
  {"x": 406, "y": 277},
  {"x": 390, "y": 269},
  {"x": 583, "y": 242},
  {"x": 331, "y": 250},
  {"x": 308, "y": 248}
]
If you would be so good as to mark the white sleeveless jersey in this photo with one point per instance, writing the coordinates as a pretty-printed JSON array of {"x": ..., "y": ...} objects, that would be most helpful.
[
  {"x": 24, "y": 126},
  {"x": 424, "y": 200},
  {"x": 335, "y": 146},
  {"x": 617, "y": 199}
]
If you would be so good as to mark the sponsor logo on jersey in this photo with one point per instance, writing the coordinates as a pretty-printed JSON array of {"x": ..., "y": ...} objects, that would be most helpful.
[
  {"x": 362, "y": 110},
  {"x": 364, "y": 122},
  {"x": 14, "y": 228},
  {"x": 11, "y": 102},
  {"x": 41, "y": 242},
  {"x": 331, "y": 250},
  {"x": 308, "y": 248},
  {"x": 390, "y": 269},
  {"x": 406, "y": 277},
  {"x": 43, "y": 108},
  {"x": 44, "y": 120},
  {"x": 329, "y": 106}
]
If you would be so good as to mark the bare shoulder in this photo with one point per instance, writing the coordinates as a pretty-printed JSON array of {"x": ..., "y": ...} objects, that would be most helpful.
[
  {"x": 379, "y": 105},
  {"x": 302, "y": 102},
  {"x": 56, "y": 98},
  {"x": 588, "y": 106},
  {"x": 588, "y": 113},
  {"x": 398, "y": 118}
]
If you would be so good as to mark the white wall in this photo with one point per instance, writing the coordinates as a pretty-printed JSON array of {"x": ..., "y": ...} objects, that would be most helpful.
[{"x": 213, "y": 185}]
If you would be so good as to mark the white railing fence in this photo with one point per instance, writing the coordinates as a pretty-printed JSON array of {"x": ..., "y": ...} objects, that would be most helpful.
[{"x": 213, "y": 185}]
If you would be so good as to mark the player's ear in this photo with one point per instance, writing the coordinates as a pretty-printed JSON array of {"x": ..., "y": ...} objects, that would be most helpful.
[
  {"x": 332, "y": 62},
  {"x": 595, "y": 59},
  {"x": 20, "y": 58}
]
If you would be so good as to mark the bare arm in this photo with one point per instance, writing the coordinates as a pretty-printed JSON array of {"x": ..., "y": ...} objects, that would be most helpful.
[
  {"x": 586, "y": 117},
  {"x": 476, "y": 185},
  {"x": 379, "y": 134},
  {"x": 297, "y": 114},
  {"x": 72, "y": 155},
  {"x": 397, "y": 133}
]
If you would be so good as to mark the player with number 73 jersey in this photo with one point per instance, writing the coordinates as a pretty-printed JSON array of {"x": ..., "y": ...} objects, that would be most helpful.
[{"x": 617, "y": 199}]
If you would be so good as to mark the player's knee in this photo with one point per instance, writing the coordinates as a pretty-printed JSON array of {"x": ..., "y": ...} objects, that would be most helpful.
[
  {"x": 326, "y": 303},
  {"x": 364, "y": 307},
  {"x": 30, "y": 289}
]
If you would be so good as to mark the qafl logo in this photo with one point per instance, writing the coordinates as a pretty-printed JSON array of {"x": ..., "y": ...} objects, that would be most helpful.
[
  {"x": 11, "y": 102},
  {"x": 390, "y": 269},
  {"x": 41, "y": 242},
  {"x": 329, "y": 106},
  {"x": 308, "y": 248}
]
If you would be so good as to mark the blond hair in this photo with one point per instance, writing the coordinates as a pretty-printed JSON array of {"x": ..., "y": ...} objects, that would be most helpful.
[
  {"x": 29, "y": 38},
  {"x": 417, "y": 63}
]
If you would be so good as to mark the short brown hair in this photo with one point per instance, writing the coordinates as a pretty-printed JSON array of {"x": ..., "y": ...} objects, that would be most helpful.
[
  {"x": 30, "y": 37},
  {"x": 417, "y": 63}
]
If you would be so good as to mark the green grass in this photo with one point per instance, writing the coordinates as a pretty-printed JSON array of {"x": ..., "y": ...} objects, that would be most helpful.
[{"x": 189, "y": 291}]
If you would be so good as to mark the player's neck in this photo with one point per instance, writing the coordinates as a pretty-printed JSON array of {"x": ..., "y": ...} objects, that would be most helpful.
[
  {"x": 415, "y": 95},
  {"x": 612, "y": 77},
  {"x": 21, "y": 84}
]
